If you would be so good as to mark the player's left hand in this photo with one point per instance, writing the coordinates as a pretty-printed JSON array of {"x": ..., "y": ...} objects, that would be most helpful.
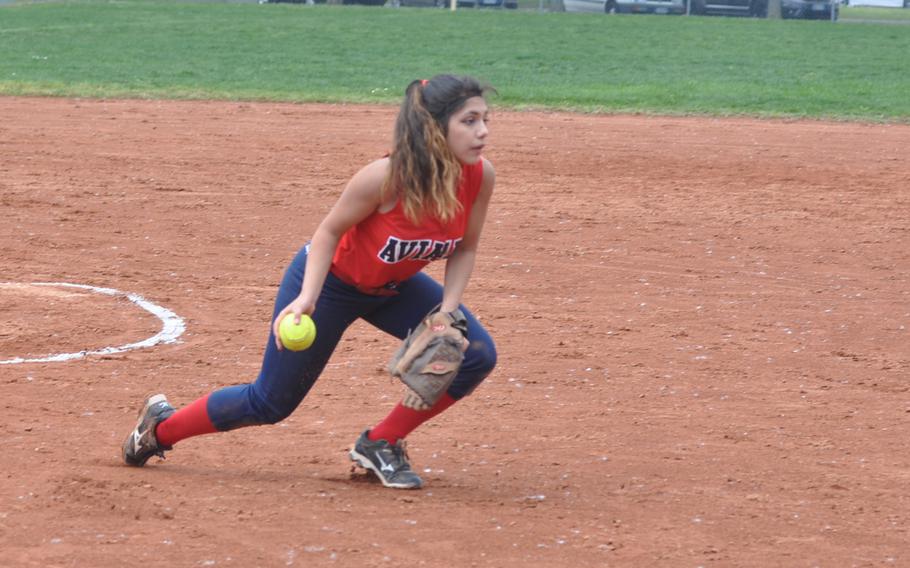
[{"x": 430, "y": 357}]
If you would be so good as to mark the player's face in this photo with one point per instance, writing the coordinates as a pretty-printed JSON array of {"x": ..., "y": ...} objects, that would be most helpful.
[{"x": 468, "y": 130}]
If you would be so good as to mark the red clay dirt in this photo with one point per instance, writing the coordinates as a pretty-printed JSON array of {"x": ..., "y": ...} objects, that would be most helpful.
[{"x": 702, "y": 325}]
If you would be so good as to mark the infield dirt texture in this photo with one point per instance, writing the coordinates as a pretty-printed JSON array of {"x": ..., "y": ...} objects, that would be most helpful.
[{"x": 702, "y": 325}]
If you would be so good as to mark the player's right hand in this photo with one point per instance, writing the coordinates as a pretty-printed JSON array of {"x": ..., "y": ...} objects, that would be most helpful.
[{"x": 298, "y": 307}]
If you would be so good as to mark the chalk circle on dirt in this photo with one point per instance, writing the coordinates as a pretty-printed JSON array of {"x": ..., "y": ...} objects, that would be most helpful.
[{"x": 172, "y": 325}]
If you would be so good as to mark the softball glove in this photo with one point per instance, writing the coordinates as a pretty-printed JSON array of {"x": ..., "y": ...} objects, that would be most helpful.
[{"x": 431, "y": 355}]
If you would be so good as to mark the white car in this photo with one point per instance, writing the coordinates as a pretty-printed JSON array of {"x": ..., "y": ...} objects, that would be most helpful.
[
  {"x": 820, "y": 9},
  {"x": 585, "y": 6},
  {"x": 627, "y": 6}
]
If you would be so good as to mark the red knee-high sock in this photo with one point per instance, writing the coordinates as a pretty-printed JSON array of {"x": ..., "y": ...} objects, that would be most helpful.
[
  {"x": 192, "y": 420},
  {"x": 403, "y": 420}
]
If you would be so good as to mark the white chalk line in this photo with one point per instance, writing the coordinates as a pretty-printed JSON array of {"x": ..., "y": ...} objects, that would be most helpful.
[{"x": 172, "y": 326}]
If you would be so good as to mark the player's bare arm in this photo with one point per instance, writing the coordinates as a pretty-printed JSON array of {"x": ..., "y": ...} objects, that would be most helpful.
[
  {"x": 360, "y": 198},
  {"x": 461, "y": 264}
]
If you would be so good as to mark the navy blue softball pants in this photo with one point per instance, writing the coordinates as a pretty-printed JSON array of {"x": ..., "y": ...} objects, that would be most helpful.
[{"x": 287, "y": 376}]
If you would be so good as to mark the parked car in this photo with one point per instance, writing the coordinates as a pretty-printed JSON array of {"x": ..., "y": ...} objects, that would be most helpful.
[
  {"x": 648, "y": 6},
  {"x": 598, "y": 6},
  {"x": 510, "y": 4},
  {"x": 754, "y": 8},
  {"x": 879, "y": 3},
  {"x": 820, "y": 9},
  {"x": 627, "y": 6},
  {"x": 420, "y": 3},
  {"x": 809, "y": 9}
]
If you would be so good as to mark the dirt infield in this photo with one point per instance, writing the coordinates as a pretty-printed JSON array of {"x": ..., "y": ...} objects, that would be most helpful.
[{"x": 702, "y": 326}]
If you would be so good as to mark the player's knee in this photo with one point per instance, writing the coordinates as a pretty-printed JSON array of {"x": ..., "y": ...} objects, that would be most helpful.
[
  {"x": 479, "y": 363},
  {"x": 239, "y": 406},
  {"x": 273, "y": 416},
  {"x": 273, "y": 408},
  {"x": 482, "y": 357}
]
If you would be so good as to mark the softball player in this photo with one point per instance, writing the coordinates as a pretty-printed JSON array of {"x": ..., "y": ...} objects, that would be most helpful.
[{"x": 426, "y": 201}]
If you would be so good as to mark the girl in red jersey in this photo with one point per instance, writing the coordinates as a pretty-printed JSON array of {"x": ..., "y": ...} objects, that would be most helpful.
[{"x": 426, "y": 201}]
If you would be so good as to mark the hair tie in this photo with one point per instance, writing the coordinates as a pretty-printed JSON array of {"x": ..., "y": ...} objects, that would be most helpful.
[{"x": 423, "y": 82}]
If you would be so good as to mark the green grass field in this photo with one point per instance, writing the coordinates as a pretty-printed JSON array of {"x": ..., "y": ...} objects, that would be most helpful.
[
  {"x": 580, "y": 62},
  {"x": 872, "y": 13}
]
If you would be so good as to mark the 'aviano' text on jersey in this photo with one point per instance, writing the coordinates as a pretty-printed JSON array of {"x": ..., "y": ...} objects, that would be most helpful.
[
  {"x": 387, "y": 247},
  {"x": 396, "y": 250}
]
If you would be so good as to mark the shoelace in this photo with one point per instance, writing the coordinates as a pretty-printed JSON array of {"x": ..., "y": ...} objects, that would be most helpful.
[{"x": 400, "y": 453}]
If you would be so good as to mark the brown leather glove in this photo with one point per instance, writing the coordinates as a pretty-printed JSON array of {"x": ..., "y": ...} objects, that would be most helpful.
[{"x": 431, "y": 355}]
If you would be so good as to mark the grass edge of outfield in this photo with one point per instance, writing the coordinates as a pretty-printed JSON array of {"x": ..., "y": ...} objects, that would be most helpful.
[
  {"x": 494, "y": 105},
  {"x": 590, "y": 64}
]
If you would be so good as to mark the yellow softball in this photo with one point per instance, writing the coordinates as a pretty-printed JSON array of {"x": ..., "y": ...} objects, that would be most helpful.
[{"x": 297, "y": 337}]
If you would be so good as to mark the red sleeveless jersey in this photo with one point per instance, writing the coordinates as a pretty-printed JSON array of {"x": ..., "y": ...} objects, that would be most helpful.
[{"x": 386, "y": 249}]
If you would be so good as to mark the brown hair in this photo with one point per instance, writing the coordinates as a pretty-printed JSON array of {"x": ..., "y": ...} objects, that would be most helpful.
[{"x": 423, "y": 171}]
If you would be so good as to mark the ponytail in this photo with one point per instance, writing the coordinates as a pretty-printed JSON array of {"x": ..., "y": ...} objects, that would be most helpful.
[{"x": 423, "y": 171}]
